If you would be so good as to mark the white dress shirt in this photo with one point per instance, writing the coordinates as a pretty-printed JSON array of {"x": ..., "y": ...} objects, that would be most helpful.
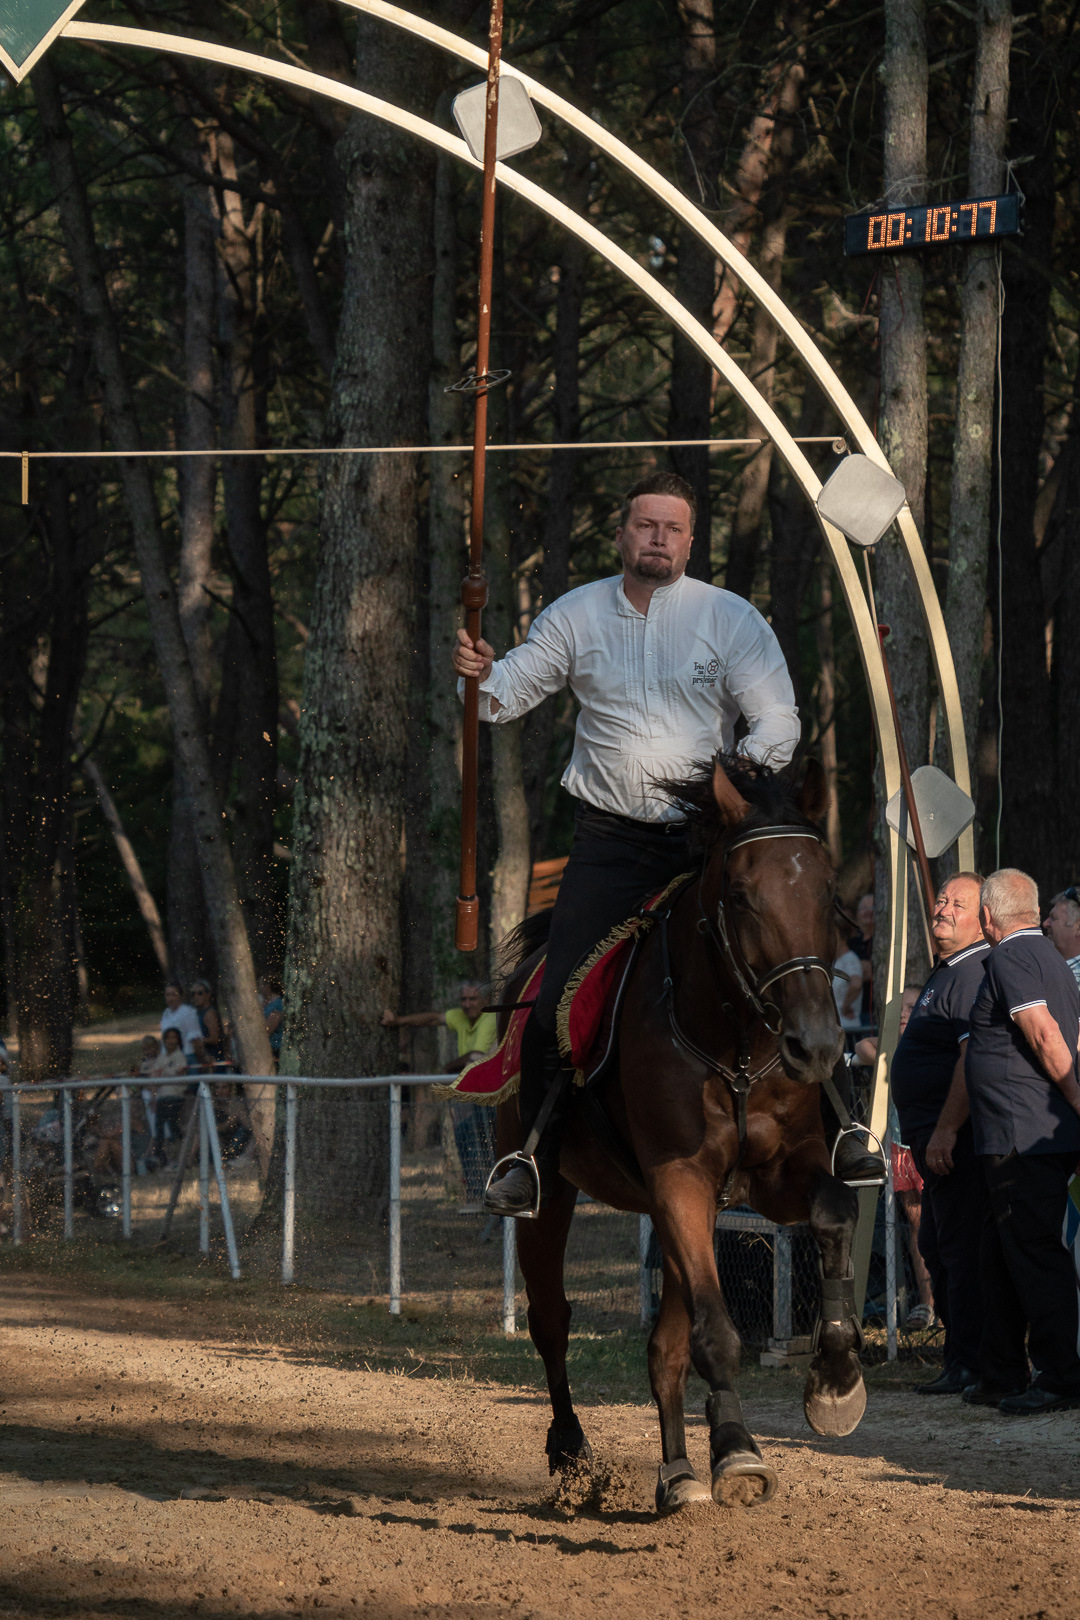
[{"x": 658, "y": 692}]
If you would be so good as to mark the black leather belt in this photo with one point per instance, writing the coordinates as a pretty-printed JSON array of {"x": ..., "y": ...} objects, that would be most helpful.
[{"x": 624, "y": 824}]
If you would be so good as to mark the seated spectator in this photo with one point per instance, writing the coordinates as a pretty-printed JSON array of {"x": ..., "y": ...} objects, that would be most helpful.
[
  {"x": 211, "y": 1031},
  {"x": 179, "y": 1014},
  {"x": 1062, "y": 928},
  {"x": 273, "y": 1006}
]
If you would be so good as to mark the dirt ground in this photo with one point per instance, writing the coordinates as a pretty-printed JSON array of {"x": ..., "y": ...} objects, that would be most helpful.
[{"x": 154, "y": 1463}]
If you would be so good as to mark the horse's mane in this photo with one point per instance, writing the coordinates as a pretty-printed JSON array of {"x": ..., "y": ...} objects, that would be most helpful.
[{"x": 770, "y": 793}]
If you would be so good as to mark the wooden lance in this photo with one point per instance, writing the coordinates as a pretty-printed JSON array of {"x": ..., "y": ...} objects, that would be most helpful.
[{"x": 474, "y": 590}]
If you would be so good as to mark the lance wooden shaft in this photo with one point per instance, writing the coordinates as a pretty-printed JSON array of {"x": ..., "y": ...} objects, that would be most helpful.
[{"x": 474, "y": 585}]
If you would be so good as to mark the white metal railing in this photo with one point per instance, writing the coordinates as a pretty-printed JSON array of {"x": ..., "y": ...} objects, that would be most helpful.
[{"x": 210, "y": 1155}]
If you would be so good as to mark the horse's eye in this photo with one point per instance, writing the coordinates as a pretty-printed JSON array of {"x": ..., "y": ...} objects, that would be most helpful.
[{"x": 740, "y": 900}]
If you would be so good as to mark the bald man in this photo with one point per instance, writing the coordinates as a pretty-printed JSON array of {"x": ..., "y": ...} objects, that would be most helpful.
[
  {"x": 1020, "y": 1072},
  {"x": 927, "y": 1082}
]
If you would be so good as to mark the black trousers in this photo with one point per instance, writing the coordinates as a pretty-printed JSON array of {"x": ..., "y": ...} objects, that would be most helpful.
[
  {"x": 615, "y": 865},
  {"x": 1029, "y": 1283},
  {"x": 950, "y": 1236}
]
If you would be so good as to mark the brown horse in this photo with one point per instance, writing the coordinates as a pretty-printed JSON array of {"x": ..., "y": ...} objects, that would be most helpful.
[{"x": 728, "y": 1012}]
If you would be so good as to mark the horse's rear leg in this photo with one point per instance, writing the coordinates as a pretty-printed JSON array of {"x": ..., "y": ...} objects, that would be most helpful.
[
  {"x": 835, "y": 1397},
  {"x": 669, "y": 1362},
  {"x": 541, "y": 1247},
  {"x": 685, "y": 1217}
]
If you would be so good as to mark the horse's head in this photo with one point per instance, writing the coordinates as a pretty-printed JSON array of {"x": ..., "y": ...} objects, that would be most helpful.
[{"x": 769, "y": 890}]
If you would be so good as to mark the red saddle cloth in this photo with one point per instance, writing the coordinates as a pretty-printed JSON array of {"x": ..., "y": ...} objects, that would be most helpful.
[{"x": 585, "y": 1016}]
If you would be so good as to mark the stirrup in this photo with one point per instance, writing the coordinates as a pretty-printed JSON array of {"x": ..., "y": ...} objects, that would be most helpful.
[
  {"x": 529, "y": 1163},
  {"x": 860, "y": 1130}
]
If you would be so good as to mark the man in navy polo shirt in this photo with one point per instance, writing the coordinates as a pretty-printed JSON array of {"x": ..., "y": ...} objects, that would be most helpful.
[
  {"x": 1025, "y": 1110},
  {"x": 927, "y": 1083}
]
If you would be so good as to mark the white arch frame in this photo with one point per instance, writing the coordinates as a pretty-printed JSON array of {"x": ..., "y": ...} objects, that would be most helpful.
[{"x": 703, "y": 339}]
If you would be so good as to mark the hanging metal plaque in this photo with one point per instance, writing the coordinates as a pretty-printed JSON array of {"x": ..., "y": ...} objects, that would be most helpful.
[{"x": 944, "y": 810}]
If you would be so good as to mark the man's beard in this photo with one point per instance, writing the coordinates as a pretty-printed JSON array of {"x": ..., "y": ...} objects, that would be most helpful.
[{"x": 653, "y": 565}]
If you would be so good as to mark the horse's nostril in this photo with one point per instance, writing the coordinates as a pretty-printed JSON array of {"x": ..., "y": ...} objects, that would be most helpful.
[{"x": 796, "y": 1052}]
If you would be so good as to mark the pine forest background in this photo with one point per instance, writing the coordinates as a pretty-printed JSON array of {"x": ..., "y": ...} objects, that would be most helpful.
[{"x": 193, "y": 259}]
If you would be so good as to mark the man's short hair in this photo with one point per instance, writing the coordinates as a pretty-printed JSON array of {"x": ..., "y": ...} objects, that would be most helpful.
[
  {"x": 174, "y": 984},
  {"x": 659, "y": 483},
  {"x": 470, "y": 984},
  {"x": 963, "y": 877},
  {"x": 1067, "y": 898},
  {"x": 1011, "y": 897}
]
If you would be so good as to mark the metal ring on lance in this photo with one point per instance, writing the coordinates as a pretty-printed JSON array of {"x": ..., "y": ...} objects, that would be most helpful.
[{"x": 482, "y": 384}]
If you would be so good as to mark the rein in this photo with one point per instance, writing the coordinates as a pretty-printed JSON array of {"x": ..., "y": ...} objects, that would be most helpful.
[{"x": 751, "y": 986}]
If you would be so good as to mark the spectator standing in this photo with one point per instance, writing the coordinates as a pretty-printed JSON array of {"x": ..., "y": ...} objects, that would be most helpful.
[
  {"x": 476, "y": 1032},
  {"x": 847, "y": 989},
  {"x": 213, "y": 1035},
  {"x": 929, "y": 1091},
  {"x": 1025, "y": 1111},
  {"x": 1062, "y": 928},
  {"x": 169, "y": 1098},
  {"x": 180, "y": 1014}
]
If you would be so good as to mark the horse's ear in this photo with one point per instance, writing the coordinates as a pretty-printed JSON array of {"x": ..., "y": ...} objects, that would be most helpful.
[
  {"x": 814, "y": 791},
  {"x": 733, "y": 807}
]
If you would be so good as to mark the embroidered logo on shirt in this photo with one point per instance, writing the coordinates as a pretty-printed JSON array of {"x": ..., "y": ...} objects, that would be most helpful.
[
  {"x": 926, "y": 998},
  {"x": 705, "y": 674}
]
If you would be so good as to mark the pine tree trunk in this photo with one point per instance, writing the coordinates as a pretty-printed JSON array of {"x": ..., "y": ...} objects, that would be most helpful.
[
  {"x": 969, "y": 506},
  {"x": 690, "y": 413},
  {"x": 189, "y": 944},
  {"x": 344, "y": 952},
  {"x": 235, "y": 969},
  {"x": 903, "y": 422}
]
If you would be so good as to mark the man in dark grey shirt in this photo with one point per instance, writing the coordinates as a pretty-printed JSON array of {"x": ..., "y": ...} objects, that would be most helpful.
[
  {"x": 1025, "y": 1112},
  {"x": 927, "y": 1084}
]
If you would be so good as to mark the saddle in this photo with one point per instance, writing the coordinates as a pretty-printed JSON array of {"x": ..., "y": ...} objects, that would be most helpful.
[{"x": 588, "y": 1015}]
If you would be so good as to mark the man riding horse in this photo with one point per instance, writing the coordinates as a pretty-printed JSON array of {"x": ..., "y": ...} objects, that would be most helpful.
[{"x": 662, "y": 666}]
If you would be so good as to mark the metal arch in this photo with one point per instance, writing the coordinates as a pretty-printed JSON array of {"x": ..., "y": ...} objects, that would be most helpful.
[
  {"x": 703, "y": 339},
  {"x": 805, "y": 347},
  {"x": 622, "y": 261}
]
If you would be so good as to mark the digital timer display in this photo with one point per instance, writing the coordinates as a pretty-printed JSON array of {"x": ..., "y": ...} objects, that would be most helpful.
[{"x": 977, "y": 219}]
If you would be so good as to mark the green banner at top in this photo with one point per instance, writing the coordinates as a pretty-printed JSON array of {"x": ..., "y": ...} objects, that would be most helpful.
[{"x": 28, "y": 28}]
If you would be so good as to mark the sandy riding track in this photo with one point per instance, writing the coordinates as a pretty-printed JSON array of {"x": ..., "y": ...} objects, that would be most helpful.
[{"x": 149, "y": 1471}]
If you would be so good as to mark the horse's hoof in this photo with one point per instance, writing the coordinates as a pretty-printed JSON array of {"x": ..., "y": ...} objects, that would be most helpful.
[
  {"x": 835, "y": 1414},
  {"x": 743, "y": 1479},
  {"x": 680, "y": 1491},
  {"x": 567, "y": 1448}
]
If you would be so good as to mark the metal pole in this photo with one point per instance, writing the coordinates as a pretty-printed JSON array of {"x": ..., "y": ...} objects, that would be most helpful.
[
  {"x": 219, "y": 1172},
  {"x": 69, "y": 1171},
  {"x": 644, "y": 1279},
  {"x": 181, "y": 1169},
  {"x": 125, "y": 1159},
  {"x": 474, "y": 586},
  {"x": 509, "y": 1276},
  {"x": 890, "y": 1267},
  {"x": 782, "y": 1283},
  {"x": 204, "y": 1176},
  {"x": 395, "y": 1200},
  {"x": 16, "y": 1171},
  {"x": 288, "y": 1241}
]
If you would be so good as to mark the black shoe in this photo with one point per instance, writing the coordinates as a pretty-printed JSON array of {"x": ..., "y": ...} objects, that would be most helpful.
[
  {"x": 513, "y": 1194},
  {"x": 856, "y": 1164},
  {"x": 980, "y": 1394},
  {"x": 1036, "y": 1399},
  {"x": 953, "y": 1381}
]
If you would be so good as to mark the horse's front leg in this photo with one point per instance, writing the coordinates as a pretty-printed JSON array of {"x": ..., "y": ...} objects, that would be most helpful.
[
  {"x": 541, "y": 1246},
  {"x": 677, "y": 1484},
  {"x": 685, "y": 1217},
  {"x": 835, "y": 1396}
]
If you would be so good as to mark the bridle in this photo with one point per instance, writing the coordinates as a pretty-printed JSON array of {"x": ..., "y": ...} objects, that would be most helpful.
[{"x": 725, "y": 940}]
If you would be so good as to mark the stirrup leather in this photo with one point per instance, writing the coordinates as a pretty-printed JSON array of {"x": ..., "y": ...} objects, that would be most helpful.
[{"x": 504, "y": 1164}]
